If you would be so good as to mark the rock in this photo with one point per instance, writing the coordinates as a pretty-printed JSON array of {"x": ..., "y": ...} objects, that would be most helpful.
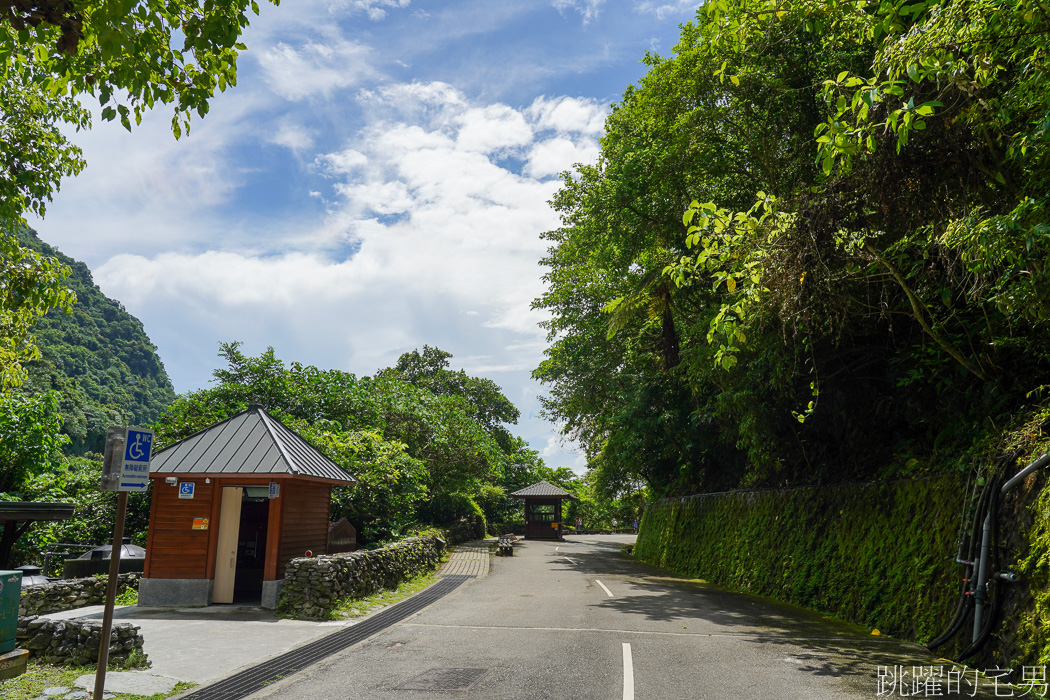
[{"x": 40, "y": 641}]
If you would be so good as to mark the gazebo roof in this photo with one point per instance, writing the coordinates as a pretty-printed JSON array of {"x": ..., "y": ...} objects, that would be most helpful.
[
  {"x": 543, "y": 489},
  {"x": 251, "y": 442},
  {"x": 33, "y": 511}
]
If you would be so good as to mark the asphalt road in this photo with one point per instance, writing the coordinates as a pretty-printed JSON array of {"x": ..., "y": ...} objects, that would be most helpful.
[{"x": 577, "y": 620}]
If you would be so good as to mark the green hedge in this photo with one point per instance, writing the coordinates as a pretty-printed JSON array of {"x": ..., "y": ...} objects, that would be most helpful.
[{"x": 880, "y": 555}]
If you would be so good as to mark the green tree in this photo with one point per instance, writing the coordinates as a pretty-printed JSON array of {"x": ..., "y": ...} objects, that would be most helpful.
[
  {"x": 76, "y": 480},
  {"x": 29, "y": 438},
  {"x": 30, "y": 285},
  {"x": 484, "y": 399},
  {"x": 30, "y": 444},
  {"x": 861, "y": 274},
  {"x": 130, "y": 56},
  {"x": 408, "y": 445}
]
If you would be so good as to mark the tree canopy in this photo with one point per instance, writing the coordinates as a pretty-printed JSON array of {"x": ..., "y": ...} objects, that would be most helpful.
[
  {"x": 415, "y": 446},
  {"x": 814, "y": 246}
]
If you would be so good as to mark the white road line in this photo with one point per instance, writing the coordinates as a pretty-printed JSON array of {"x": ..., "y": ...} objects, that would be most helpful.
[
  {"x": 628, "y": 673},
  {"x": 570, "y": 561},
  {"x": 607, "y": 591},
  {"x": 607, "y": 630}
]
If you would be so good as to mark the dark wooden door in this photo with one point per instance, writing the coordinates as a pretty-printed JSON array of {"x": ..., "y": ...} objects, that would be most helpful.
[{"x": 542, "y": 518}]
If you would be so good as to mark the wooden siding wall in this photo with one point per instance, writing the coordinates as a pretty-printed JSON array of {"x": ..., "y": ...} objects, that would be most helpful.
[
  {"x": 304, "y": 521},
  {"x": 175, "y": 549}
]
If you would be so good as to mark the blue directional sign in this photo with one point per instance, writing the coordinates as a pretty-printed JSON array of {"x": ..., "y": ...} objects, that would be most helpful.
[
  {"x": 138, "y": 448},
  {"x": 185, "y": 489}
]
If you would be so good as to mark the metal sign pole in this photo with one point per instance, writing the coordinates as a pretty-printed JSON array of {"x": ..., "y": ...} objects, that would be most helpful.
[{"x": 111, "y": 593}]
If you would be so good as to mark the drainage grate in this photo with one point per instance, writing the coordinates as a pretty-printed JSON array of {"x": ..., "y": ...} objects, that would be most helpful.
[
  {"x": 445, "y": 679},
  {"x": 245, "y": 683}
]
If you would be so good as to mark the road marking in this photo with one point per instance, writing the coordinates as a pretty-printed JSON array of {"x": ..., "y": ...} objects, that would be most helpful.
[
  {"x": 645, "y": 633},
  {"x": 570, "y": 561},
  {"x": 607, "y": 591},
  {"x": 628, "y": 673}
]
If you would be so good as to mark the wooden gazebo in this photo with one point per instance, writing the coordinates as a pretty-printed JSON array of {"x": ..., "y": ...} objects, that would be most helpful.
[
  {"x": 543, "y": 510},
  {"x": 17, "y": 516},
  {"x": 231, "y": 506}
]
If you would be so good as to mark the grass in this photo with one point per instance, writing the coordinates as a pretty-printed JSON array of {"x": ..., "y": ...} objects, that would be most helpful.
[
  {"x": 129, "y": 597},
  {"x": 31, "y": 684},
  {"x": 359, "y": 607}
]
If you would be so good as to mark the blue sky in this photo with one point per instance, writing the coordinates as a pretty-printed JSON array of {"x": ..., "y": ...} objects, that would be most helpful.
[{"x": 378, "y": 180}]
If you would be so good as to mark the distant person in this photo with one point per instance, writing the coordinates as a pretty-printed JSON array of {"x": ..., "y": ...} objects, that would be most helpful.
[
  {"x": 614, "y": 524},
  {"x": 636, "y": 527}
]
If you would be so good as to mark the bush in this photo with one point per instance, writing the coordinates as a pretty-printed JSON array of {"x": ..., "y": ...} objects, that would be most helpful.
[{"x": 457, "y": 511}]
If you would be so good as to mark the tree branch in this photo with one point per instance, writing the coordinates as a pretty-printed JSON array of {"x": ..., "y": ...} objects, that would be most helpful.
[{"x": 917, "y": 314}]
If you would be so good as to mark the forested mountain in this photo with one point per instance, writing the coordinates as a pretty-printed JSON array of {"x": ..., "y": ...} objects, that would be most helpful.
[{"x": 98, "y": 358}]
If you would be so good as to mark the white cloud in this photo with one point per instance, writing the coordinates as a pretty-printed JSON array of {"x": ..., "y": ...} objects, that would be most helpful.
[
  {"x": 559, "y": 450},
  {"x": 492, "y": 128},
  {"x": 375, "y": 9},
  {"x": 293, "y": 137},
  {"x": 588, "y": 9},
  {"x": 344, "y": 162},
  {"x": 367, "y": 187},
  {"x": 568, "y": 115},
  {"x": 663, "y": 10},
  {"x": 312, "y": 68},
  {"x": 436, "y": 217},
  {"x": 555, "y": 155}
]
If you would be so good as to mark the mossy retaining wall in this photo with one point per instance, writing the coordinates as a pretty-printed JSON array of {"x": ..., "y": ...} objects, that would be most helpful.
[{"x": 880, "y": 555}]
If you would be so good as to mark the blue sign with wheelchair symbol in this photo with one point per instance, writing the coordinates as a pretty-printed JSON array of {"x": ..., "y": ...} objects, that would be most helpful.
[
  {"x": 185, "y": 489},
  {"x": 138, "y": 445}
]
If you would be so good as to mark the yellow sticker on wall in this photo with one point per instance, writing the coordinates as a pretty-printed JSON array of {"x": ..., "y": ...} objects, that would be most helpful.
[{"x": 200, "y": 523}]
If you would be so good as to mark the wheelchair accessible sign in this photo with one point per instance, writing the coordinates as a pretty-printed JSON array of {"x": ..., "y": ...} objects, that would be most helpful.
[{"x": 138, "y": 448}]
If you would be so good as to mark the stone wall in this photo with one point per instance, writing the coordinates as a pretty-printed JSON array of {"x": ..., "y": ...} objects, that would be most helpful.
[
  {"x": 70, "y": 594},
  {"x": 881, "y": 555},
  {"x": 77, "y": 642},
  {"x": 313, "y": 587}
]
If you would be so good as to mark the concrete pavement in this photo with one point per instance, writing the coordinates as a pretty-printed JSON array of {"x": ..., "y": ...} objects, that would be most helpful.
[
  {"x": 202, "y": 645},
  {"x": 577, "y": 619}
]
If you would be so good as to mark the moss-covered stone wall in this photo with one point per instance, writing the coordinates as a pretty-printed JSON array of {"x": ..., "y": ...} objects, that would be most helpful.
[
  {"x": 314, "y": 586},
  {"x": 879, "y": 555}
]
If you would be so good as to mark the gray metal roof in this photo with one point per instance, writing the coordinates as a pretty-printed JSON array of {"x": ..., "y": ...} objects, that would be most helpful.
[
  {"x": 543, "y": 489},
  {"x": 25, "y": 511},
  {"x": 251, "y": 442}
]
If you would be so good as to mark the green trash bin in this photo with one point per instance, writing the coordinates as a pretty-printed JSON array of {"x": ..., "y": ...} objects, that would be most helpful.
[{"x": 10, "y": 594}]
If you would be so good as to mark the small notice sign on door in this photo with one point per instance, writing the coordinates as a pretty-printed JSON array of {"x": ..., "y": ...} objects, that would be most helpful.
[
  {"x": 200, "y": 523},
  {"x": 186, "y": 489}
]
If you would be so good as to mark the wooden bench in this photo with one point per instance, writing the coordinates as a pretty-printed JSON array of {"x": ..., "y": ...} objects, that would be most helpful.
[{"x": 505, "y": 546}]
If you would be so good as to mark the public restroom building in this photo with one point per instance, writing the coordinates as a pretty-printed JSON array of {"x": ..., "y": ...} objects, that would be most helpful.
[{"x": 231, "y": 506}]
